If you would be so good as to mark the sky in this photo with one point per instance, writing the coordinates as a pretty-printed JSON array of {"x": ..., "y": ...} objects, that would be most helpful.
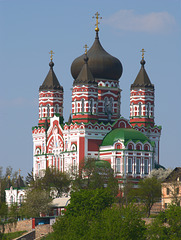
[{"x": 29, "y": 29}]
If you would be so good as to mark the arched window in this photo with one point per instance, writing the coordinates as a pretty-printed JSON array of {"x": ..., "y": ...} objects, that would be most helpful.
[
  {"x": 139, "y": 109},
  {"x": 148, "y": 110},
  {"x": 75, "y": 105},
  {"x": 111, "y": 105},
  {"x": 132, "y": 109},
  {"x": 91, "y": 105},
  {"x": 82, "y": 105},
  {"x": 138, "y": 147},
  {"x": 56, "y": 109},
  {"x": 41, "y": 111},
  {"x": 11, "y": 199},
  {"x": 105, "y": 104},
  {"x": 48, "y": 110}
]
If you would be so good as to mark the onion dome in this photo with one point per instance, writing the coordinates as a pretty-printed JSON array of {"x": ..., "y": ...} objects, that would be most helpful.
[
  {"x": 142, "y": 79},
  {"x": 19, "y": 183},
  {"x": 51, "y": 82},
  {"x": 124, "y": 135},
  {"x": 85, "y": 75},
  {"x": 101, "y": 63}
]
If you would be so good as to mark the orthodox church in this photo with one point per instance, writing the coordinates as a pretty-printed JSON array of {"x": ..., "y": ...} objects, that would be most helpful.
[{"x": 96, "y": 129}]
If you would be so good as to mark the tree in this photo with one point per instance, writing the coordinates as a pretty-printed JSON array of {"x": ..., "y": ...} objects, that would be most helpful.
[
  {"x": 167, "y": 225},
  {"x": 160, "y": 173},
  {"x": 112, "y": 223},
  {"x": 95, "y": 174},
  {"x": 37, "y": 201},
  {"x": 149, "y": 192}
]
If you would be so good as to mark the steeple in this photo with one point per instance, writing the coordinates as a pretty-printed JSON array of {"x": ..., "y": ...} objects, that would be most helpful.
[
  {"x": 51, "y": 82},
  {"x": 142, "y": 79},
  {"x": 142, "y": 98},
  {"x": 50, "y": 96}
]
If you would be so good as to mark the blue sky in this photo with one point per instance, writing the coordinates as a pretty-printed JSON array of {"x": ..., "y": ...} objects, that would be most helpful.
[{"x": 29, "y": 29}]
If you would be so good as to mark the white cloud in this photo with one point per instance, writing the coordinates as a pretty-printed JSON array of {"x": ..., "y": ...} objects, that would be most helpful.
[{"x": 155, "y": 22}]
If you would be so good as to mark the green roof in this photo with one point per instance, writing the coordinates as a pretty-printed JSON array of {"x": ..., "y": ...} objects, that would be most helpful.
[
  {"x": 124, "y": 135},
  {"x": 102, "y": 163}
]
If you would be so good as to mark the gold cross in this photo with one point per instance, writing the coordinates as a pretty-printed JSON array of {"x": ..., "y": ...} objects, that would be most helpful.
[
  {"x": 86, "y": 48},
  {"x": 51, "y": 55},
  {"x": 143, "y": 51},
  {"x": 97, "y": 21},
  {"x": 19, "y": 171}
]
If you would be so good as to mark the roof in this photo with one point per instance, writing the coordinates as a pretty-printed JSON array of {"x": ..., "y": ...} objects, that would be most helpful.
[
  {"x": 85, "y": 76},
  {"x": 174, "y": 175},
  {"x": 101, "y": 63},
  {"x": 102, "y": 164},
  {"x": 142, "y": 79},
  {"x": 19, "y": 183},
  {"x": 60, "y": 202},
  {"x": 51, "y": 82},
  {"x": 125, "y": 135}
]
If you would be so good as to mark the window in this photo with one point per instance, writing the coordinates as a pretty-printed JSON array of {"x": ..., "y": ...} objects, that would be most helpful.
[
  {"x": 129, "y": 165},
  {"x": 148, "y": 109},
  {"x": 139, "y": 109},
  {"x": 11, "y": 200},
  {"x": 105, "y": 105},
  {"x": 82, "y": 105},
  {"x": 165, "y": 205},
  {"x": 177, "y": 190},
  {"x": 75, "y": 106},
  {"x": 137, "y": 166},
  {"x": 48, "y": 110},
  {"x": 146, "y": 166},
  {"x": 118, "y": 165},
  {"x": 168, "y": 191},
  {"x": 56, "y": 110},
  {"x": 91, "y": 105}
]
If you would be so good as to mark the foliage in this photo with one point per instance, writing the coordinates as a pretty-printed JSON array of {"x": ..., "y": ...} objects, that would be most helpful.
[
  {"x": 91, "y": 176},
  {"x": 160, "y": 173},
  {"x": 167, "y": 225},
  {"x": 89, "y": 202},
  {"x": 112, "y": 223},
  {"x": 149, "y": 192},
  {"x": 9, "y": 236},
  {"x": 37, "y": 201},
  {"x": 53, "y": 181},
  {"x": 4, "y": 180}
]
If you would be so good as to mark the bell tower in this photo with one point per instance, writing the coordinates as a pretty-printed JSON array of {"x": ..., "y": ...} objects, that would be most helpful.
[
  {"x": 50, "y": 96},
  {"x": 142, "y": 99}
]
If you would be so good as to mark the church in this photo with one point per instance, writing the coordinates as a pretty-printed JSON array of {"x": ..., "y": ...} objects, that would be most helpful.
[{"x": 96, "y": 129}]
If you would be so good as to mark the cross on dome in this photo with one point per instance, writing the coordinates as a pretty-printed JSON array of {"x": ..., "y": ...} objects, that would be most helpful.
[
  {"x": 51, "y": 55},
  {"x": 86, "y": 48},
  {"x": 97, "y": 21},
  {"x": 142, "y": 51}
]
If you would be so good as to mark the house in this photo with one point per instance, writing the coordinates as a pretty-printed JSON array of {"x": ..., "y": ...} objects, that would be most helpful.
[{"x": 171, "y": 188}]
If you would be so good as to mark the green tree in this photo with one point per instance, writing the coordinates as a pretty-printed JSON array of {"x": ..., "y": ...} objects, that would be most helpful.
[
  {"x": 149, "y": 192},
  {"x": 167, "y": 225},
  {"x": 37, "y": 201},
  {"x": 111, "y": 223},
  {"x": 94, "y": 174}
]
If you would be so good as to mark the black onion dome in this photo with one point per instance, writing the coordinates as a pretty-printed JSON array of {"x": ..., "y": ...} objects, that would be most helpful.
[
  {"x": 101, "y": 63},
  {"x": 51, "y": 82},
  {"x": 142, "y": 79},
  {"x": 85, "y": 76}
]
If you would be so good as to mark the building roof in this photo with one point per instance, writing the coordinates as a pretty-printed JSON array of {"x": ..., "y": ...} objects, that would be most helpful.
[
  {"x": 101, "y": 63},
  {"x": 175, "y": 175},
  {"x": 85, "y": 76},
  {"x": 60, "y": 202},
  {"x": 51, "y": 82},
  {"x": 125, "y": 135},
  {"x": 19, "y": 183},
  {"x": 142, "y": 79}
]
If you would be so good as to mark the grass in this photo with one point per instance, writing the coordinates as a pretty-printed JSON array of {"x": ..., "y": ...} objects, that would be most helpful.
[
  {"x": 10, "y": 236},
  {"x": 48, "y": 237}
]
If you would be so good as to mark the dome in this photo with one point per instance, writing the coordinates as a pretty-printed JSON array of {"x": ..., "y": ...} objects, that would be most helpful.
[
  {"x": 102, "y": 65},
  {"x": 124, "y": 134},
  {"x": 102, "y": 164}
]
